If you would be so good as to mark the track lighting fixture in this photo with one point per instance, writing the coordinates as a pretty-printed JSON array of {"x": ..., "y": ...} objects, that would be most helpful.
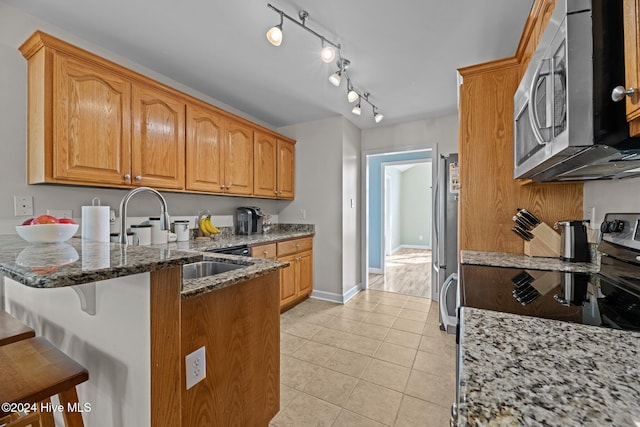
[
  {"x": 274, "y": 35},
  {"x": 328, "y": 53}
]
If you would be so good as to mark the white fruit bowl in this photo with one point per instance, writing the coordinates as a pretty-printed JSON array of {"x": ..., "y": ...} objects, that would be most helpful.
[{"x": 47, "y": 233}]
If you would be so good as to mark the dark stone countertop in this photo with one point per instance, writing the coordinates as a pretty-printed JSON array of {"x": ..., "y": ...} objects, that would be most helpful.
[
  {"x": 503, "y": 259},
  {"x": 77, "y": 261}
]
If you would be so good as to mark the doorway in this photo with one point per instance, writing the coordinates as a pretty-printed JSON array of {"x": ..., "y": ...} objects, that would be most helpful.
[{"x": 398, "y": 223}]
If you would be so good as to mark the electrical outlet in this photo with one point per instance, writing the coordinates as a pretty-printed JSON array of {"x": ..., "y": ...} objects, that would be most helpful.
[
  {"x": 60, "y": 213},
  {"x": 23, "y": 205},
  {"x": 420, "y": 237},
  {"x": 195, "y": 367}
]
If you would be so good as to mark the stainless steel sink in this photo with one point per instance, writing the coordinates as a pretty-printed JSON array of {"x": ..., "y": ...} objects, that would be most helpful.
[{"x": 200, "y": 269}]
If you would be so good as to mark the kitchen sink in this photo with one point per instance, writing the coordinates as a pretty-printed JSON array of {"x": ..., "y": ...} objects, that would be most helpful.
[{"x": 200, "y": 269}]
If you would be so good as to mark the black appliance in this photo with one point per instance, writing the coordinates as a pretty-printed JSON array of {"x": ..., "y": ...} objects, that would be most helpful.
[
  {"x": 242, "y": 250},
  {"x": 249, "y": 220},
  {"x": 609, "y": 298}
]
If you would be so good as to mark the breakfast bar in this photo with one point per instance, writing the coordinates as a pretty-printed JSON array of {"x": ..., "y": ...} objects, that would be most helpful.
[{"x": 123, "y": 313}]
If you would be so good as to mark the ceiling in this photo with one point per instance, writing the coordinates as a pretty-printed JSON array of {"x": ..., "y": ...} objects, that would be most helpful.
[{"x": 405, "y": 53}]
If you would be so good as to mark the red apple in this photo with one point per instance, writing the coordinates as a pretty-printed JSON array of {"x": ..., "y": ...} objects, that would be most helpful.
[
  {"x": 28, "y": 221},
  {"x": 45, "y": 219},
  {"x": 66, "y": 221}
]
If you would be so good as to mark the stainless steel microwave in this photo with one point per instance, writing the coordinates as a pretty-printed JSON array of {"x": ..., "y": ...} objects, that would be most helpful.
[{"x": 566, "y": 125}]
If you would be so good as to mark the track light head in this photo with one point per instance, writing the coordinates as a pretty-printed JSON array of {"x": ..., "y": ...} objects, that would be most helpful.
[
  {"x": 327, "y": 54},
  {"x": 377, "y": 116},
  {"x": 335, "y": 78},
  {"x": 274, "y": 35},
  {"x": 357, "y": 110},
  {"x": 352, "y": 95}
]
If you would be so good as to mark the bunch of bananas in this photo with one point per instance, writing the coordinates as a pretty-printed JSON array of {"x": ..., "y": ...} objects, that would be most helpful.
[{"x": 206, "y": 226}]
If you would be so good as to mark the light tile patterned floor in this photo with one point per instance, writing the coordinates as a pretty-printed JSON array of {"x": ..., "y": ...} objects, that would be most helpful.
[
  {"x": 407, "y": 271},
  {"x": 379, "y": 360}
]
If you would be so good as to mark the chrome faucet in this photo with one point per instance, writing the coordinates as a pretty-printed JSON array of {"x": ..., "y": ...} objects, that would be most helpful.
[{"x": 164, "y": 215}]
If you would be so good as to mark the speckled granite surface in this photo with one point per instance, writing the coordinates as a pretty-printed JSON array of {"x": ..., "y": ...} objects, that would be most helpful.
[
  {"x": 76, "y": 261},
  {"x": 518, "y": 370},
  {"x": 502, "y": 259}
]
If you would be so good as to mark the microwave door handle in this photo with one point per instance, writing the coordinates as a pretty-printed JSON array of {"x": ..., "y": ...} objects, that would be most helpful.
[
  {"x": 552, "y": 93},
  {"x": 533, "y": 112}
]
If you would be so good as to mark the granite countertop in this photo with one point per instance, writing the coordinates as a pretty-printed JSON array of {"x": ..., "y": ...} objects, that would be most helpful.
[
  {"x": 519, "y": 370},
  {"x": 76, "y": 261},
  {"x": 503, "y": 259}
]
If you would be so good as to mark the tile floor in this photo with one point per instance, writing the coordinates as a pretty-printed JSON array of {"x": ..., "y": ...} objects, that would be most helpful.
[
  {"x": 407, "y": 271},
  {"x": 378, "y": 360}
]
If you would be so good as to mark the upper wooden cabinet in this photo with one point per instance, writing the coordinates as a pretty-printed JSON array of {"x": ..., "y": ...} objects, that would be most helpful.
[
  {"x": 632, "y": 62},
  {"x": 238, "y": 159},
  {"x": 94, "y": 122},
  {"x": 273, "y": 164},
  {"x": 88, "y": 138},
  {"x": 205, "y": 136},
  {"x": 157, "y": 154}
]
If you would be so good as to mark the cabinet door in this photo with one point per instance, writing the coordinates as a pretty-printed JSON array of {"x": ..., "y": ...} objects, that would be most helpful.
[
  {"x": 288, "y": 280},
  {"x": 205, "y": 162},
  {"x": 286, "y": 169},
  {"x": 238, "y": 153},
  {"x": 158, "y": 139},
  {"x": 264, "y": 165},
  {"x": 91, "y": 123},
  {"x": 632, "y": 62},
  {"x": 305, "y": 273}
]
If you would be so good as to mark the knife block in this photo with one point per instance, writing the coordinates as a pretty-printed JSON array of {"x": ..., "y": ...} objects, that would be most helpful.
[{"x": 546, "y": 242}]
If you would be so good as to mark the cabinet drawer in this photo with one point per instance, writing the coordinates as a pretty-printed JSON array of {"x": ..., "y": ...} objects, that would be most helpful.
[
  {"x": 293, "y": 246},
  {"x": 264, "y": 251}
]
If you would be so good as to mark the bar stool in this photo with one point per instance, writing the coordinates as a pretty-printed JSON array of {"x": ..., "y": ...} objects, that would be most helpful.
[
  {"x": 31, "y": 371},
  {"x": 12, "y": 330}
]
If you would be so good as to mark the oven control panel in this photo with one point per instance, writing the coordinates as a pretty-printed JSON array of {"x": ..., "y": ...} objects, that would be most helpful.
[{"x": 622, "y": 229}]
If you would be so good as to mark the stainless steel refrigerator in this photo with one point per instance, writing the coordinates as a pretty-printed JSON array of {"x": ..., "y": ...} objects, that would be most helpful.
[{"x": 445, "y": 239}]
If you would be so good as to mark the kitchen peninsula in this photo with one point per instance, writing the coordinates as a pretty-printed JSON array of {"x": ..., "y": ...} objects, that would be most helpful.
[{"x": 123, "y": 313}]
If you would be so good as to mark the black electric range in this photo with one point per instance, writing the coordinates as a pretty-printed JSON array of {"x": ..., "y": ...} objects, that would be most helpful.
[{"x": 610, "y": 298}]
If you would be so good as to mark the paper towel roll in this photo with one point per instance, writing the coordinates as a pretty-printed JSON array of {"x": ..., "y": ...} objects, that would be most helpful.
[{"x": 95, "y": 223}]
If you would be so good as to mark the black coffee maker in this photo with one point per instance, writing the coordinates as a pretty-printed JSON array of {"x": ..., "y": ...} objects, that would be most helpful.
[{"x": 249, "y": 220}]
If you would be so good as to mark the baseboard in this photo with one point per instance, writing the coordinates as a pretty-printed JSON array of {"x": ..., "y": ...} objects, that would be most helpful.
[
  {"x": 375, "y": 270},
  {"x": 413, "y": 247},
  {"x": 335, "y": 297}
]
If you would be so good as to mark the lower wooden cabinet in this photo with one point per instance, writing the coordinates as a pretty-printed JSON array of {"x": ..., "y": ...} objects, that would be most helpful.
[{"x": 296, "y": 281}]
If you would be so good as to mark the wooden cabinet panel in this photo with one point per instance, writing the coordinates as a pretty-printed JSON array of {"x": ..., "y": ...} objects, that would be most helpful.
[
  {"x": 264, "y": 165},
  {"x": 238, "y": 152},
  {"x": 288, "y": 279},
  {"x": 158, "y": 139},
  {"x": 305, "y": 271},
  {"x": 91, "y": 123},
  {"x": 289, "y": 247},
  {"x": 239, "y": 326},
  {"x": 264, "y": 251},
  {"x": 286, "y": 169},
  {"x": 205, "y": 161},
  {"x": 632, "y": 62}
]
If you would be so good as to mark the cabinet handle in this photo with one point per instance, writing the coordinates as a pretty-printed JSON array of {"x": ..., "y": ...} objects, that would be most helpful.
[
  {"x": 265, "y": 253},
  {"x": 276, "y": 191},
  {"x": 619, "y": 92},
  {"x": 138, "y": 178},
  {"x": 228, "y": 186},
  {"x": 127, "y": 176},
  {"x": 297, "y": 245},
  {"x": 222, "y": 186}
]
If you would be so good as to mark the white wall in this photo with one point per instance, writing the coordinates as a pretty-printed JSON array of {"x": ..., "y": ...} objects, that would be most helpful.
[
  {"x": 394, "y": 194},
  {"x": 416, "y": 205},
  {"x": 612, "y": 197},
  {"x": 15, "y": 28},
  {"x": 351, "y": 202},
  {"x": 319, "y": 153}
]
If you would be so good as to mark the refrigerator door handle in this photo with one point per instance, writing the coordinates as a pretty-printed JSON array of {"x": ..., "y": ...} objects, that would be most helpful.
[
  {"x": 441, "y": 200},
  {"x": 448, "y": 321}
]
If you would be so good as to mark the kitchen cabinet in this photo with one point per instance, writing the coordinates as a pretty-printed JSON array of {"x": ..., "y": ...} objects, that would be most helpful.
[
  {"x": 485, "y": 147},
  {"x": 632, "y": 63},
  {"x": 238, "y": 158},
  {"x": 93, "y": 122},
  {"x": 86, "y": 112},
  {"x": 267, "y": 251},
  {"x": 205, "y": 162},
  {"x": 296, "y": 281},
  {"x": 274, "y": 161},
  {"x": 157, "y": 149}
]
